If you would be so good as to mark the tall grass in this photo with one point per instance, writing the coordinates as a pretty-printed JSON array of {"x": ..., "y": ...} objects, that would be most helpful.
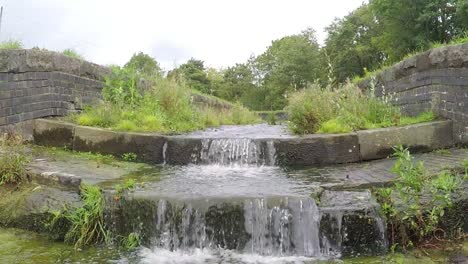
[
  {"x": 87, "y": 222},
  {"x": 11, "y": 44},
  {"x": 317, "y": 110},
  {"x": 133, "y": 103},
  {"x": 13, "y": 159}
]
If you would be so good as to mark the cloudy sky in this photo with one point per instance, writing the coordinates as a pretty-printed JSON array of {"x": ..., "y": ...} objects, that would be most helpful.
[{"x": 220, "y": 32}]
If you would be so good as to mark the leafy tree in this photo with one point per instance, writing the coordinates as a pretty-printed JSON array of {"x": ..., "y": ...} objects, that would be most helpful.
[
  {"x": 236, "y": 81},
  {"x": 193, "y": 73},
  {"x": 349, "y": 46},
  {"x": 144, "y": 64},
  {"x": 288, "y": 64}
]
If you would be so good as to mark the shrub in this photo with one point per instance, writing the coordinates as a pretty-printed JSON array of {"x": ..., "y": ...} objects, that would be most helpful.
[
  {"x": 157, "y": 104},
  {"x": 11, "y": 44},
  {"x": 72, "y": 54},
  {"x": 414, "y": 207},
  {"x": 344, "y": 109}
]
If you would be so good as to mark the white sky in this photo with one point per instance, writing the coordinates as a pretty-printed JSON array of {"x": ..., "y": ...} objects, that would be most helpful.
[{"x": 219, "y": 32}]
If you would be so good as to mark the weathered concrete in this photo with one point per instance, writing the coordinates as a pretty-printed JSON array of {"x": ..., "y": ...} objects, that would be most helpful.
[
  {"x": 53, "y": 134},
  {"x": 350, "y": 223},
  {"x": 379, "y": 143},
  {"x": 434, "y": 80},
  {"x": 318, "y": 149},
  {"x": 290, "y": 151},
  {"x": 147, "y": 147}
]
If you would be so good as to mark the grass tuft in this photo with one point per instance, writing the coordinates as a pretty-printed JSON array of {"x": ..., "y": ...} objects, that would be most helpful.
[
  {"x": 11, "y": 44},
  {"x": 72, "y": 54},
  {"x": 87, "y": 221}
]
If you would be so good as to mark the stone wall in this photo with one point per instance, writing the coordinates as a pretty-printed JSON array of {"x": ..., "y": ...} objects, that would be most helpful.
[
  {"x": 434, "y": 80},
  {"x": 38, "y": 83}
]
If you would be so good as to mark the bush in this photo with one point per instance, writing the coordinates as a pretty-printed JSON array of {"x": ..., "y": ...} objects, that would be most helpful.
[
  {"x": 343, "y": 110},
  {"x": 415, "y": 205},
  {"x": 11, "y": 44},
  {"x": 155, "y": 104}
]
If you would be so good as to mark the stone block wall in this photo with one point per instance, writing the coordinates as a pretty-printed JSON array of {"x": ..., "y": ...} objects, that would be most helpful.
[
  {"x": 38, "y": 83},
  {"x": 434, "y": 80}
]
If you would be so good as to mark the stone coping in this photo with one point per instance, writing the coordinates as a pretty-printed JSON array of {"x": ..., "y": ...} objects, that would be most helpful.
[
  {"x": 38, "y": 60},
  {"x": 317, "y": 149}
]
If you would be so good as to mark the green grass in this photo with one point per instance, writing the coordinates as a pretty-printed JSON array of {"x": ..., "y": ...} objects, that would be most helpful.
[
  {"x": 13, "y": 160},
  {"x": 343, "y": 110},
  {"x": 11, "y": 44},
  {"x": 72, "y": 54},
  {"x": 163, "y": 106},
  {"x": 132, "y": 241},
  {"x": 87, "y": 222},
  {"x": 463, "y": 38}
]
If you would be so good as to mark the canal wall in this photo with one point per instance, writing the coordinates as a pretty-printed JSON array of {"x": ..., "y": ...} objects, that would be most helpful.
[{"x": 434, "y": 80}]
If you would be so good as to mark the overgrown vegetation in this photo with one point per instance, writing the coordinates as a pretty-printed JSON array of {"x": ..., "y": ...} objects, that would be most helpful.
[
  {"x": 128, "y": 185},
  {"x": 87, "y": 222},
  {"x": 11, "y": 44},
  {"x": 138, "y": 102},
  {"x": 341, "y": 110},
  {"x": 13, "y": 159},
  {"x": 72, "y": 54},
  {"x": 417, "y": 203}
]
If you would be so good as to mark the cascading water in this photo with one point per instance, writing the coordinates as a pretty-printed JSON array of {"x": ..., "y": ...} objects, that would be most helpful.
[
  {"x": 237, "y": 151},
  {"x": 232, "y": 198}
]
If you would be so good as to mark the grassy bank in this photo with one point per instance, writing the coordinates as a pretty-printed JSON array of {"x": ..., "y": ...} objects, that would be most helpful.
[
  {"x": 342, "y": 110},
  {"x": 133, "y": 102}
]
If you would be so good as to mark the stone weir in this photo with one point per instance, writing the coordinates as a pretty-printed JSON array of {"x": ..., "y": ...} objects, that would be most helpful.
[{"x": 259, "y": 144}]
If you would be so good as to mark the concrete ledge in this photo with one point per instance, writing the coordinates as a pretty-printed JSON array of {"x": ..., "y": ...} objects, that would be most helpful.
[
  {"x": 311, "y": 150},
  {"x": 378, "y": 143},
  {"x": 53, "y": 133},
  {"x": 147, "y": 147},
  {"x": 318, "y": 149}
]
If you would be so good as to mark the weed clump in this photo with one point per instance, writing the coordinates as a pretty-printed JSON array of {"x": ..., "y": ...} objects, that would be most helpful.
[
  {"x": 87, "y": 222},
  {"x": 11, "y": 44},
  {"x": 13, "y": 159},
  {"x": 414, "y": 207},
  {"x": 345, "y": 109},
  {"x": 72, "y": 54}
]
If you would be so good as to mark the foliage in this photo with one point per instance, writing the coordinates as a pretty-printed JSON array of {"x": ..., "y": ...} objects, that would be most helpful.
[
  {"x": 129, "y": 156},
  {"x": 193, "y": 73},
  {"x": 416, "y": 204},
  {"x": 13, "y": 160},
  {"x": 72, "y": 54},
  {"x": 126, "y": 186},
  {"x": 289, "y": 64},
  {"x": 337, "y": 111},
  {"x": 132, "y": 241},
  {"x": 11, "y": 44},
  {"x": 87, "y": 221},
  {"x": 161, "y": 105},
  {"x": 144, "y": 65}
]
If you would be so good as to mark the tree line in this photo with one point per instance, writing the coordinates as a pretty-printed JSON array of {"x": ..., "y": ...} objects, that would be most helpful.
[{"x": 375, "y": 34}]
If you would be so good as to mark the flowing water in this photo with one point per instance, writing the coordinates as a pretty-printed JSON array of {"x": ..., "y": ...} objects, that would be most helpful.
[{"x": 232, "y": 203}]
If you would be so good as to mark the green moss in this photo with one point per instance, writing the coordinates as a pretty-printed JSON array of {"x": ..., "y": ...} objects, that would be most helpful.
[{"x": 421, "y": 118}]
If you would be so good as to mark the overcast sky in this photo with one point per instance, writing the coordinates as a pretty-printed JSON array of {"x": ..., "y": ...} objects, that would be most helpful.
[{"x": 219, "y": 32}]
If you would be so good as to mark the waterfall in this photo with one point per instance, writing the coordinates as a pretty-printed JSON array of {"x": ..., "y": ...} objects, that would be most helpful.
[
  {"x": 237, "y": 151},
  {"x": 280, "y": 228}
]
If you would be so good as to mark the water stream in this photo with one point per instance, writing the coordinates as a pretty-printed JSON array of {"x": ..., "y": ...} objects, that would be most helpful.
[{"x": 232, "y": 200}]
